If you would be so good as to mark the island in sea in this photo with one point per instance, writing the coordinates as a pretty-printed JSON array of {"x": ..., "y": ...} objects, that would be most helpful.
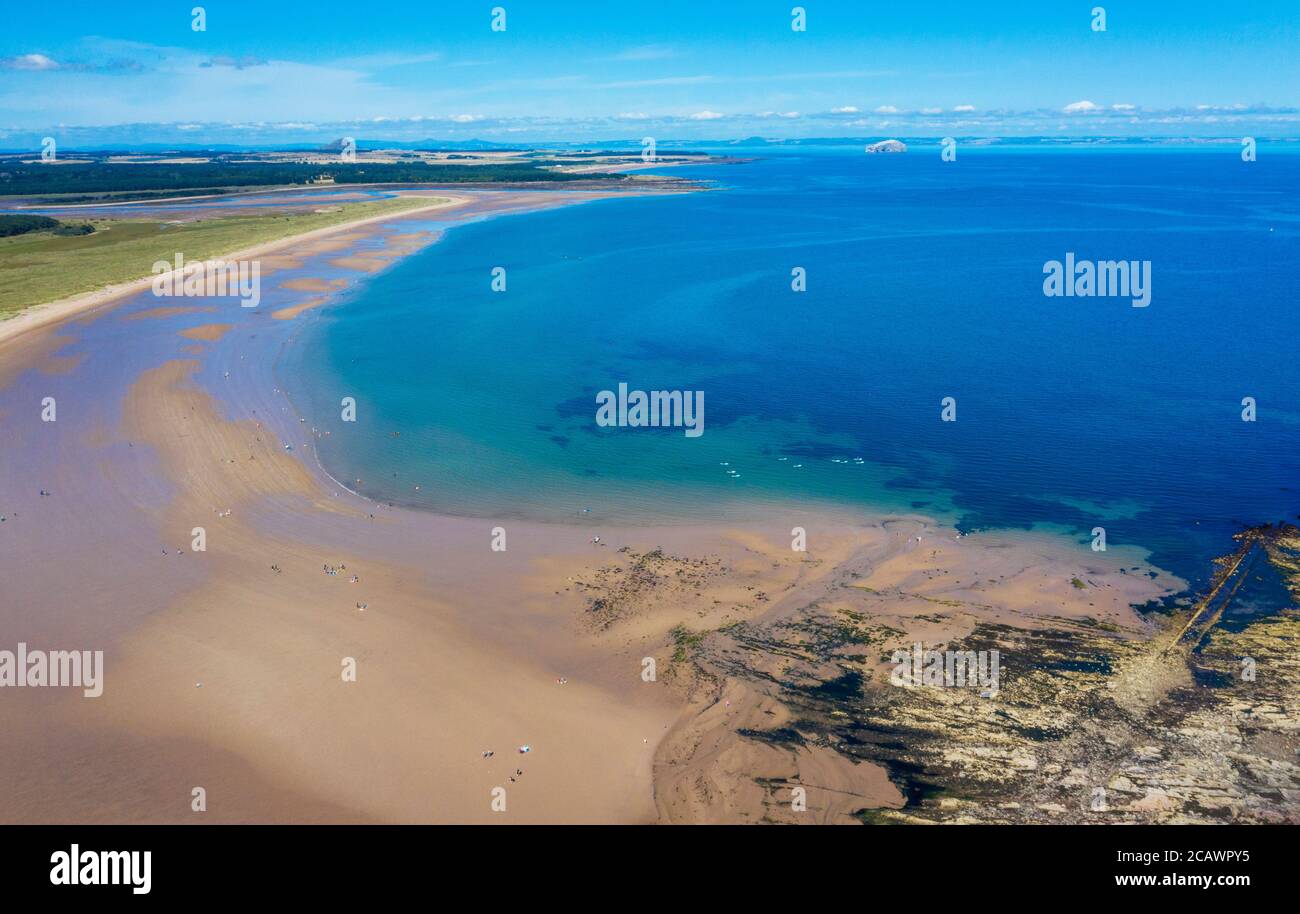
[{"x": 887, "y": 146}]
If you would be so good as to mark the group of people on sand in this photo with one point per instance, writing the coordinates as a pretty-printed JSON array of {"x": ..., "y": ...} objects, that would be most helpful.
[
  {"x": 519, "y": 772},
  {"x": 333, "y": 571}
]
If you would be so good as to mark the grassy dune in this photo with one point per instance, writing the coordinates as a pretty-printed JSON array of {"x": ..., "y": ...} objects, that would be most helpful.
[{"x": 42, "y": 267}]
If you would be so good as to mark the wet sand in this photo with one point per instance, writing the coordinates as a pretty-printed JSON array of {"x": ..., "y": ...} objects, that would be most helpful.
[{"x": 224, "y": 666}]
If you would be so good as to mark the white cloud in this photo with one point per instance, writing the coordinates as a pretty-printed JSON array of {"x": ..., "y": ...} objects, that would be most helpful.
[
  {"x": 28, "y": 62},
  {"x": 932, "y": 111},
  {"x": 886, "y": 109},
  {"x": 632, "y": 116},
  {"x": 1082, "y": 107},
  {"x": 466, "y": 118},
  {"x": 706, "y": 116},
  {"x": 847, "y": 109},
  {"x": 1123, "y": 107},
  {"x": 964, "y": 109}
]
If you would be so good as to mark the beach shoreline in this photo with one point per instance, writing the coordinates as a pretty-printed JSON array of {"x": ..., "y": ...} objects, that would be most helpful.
[
  {"x": 462, "y": 650},
  {"x": 50, "y": 313}
]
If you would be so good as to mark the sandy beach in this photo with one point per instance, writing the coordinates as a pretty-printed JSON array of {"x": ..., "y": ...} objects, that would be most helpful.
[
  {"x": 521, "y": 670},
  {"x": 53, "y": 312}
]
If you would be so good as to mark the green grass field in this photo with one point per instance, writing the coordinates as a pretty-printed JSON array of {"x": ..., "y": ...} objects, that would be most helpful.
[{"x": 41, "y": 267}]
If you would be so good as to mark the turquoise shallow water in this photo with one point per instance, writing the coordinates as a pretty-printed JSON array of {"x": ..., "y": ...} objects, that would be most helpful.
[{"x": 924, "y": 281}]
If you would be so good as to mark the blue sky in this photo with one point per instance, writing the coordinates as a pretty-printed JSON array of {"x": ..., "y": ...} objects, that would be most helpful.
[{"x": 568, "y": 70}]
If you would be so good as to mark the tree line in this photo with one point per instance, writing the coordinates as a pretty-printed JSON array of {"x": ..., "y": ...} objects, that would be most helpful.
[{"x": 104, "y": 178}]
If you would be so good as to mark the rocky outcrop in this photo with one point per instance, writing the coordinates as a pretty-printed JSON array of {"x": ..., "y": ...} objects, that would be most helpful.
[
  {"x": 888, "y": 146},
  {"x": 1189, "y": 721}
]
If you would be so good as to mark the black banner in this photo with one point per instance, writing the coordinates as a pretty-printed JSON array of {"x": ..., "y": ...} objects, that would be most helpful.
[{"x": 331, "y": 863}]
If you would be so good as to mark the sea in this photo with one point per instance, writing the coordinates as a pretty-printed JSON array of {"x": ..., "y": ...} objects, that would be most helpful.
[{"x": 866, "y": 331}]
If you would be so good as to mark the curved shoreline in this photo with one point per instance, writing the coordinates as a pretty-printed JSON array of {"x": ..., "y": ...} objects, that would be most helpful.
[
  {"x": 462, "y": 649},
  {"x": 55, "y": 312}
]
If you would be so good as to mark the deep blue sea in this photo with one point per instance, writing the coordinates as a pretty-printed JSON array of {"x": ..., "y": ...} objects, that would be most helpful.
[{"x": 924, "y": 281}]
